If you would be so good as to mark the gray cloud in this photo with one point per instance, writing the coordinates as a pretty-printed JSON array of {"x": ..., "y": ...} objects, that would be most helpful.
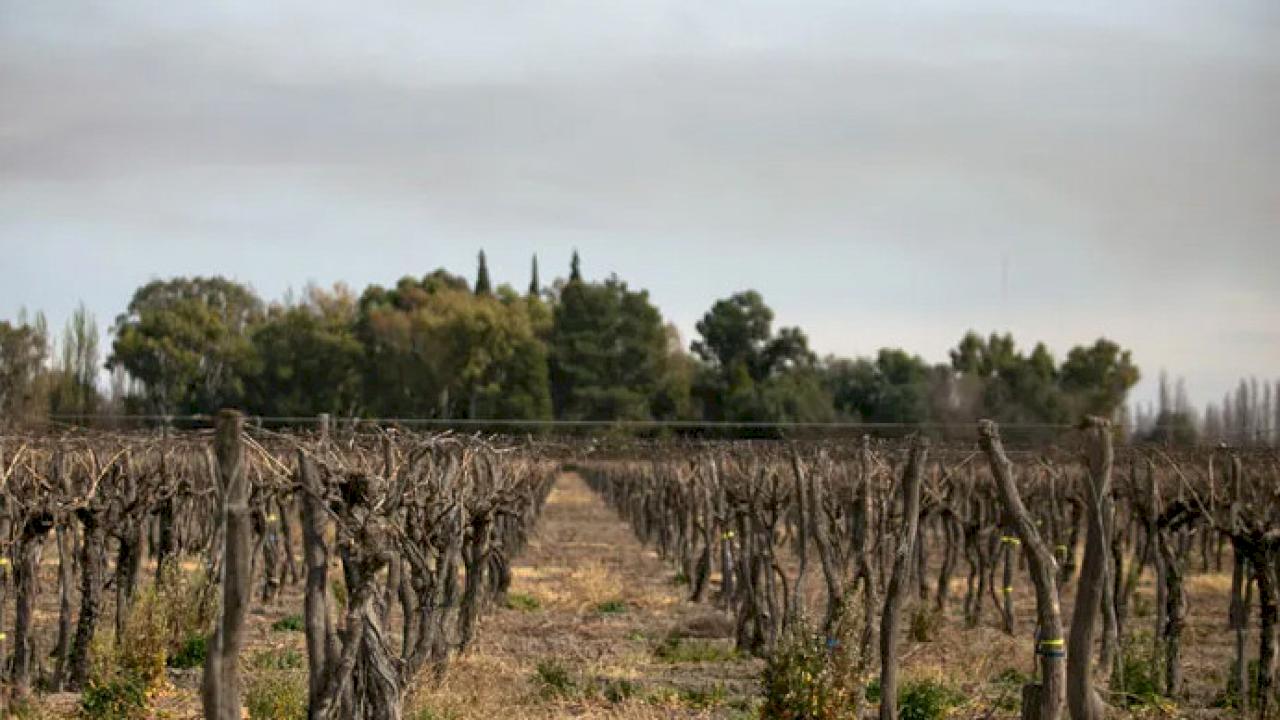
[{"x": 866, "y": 167}]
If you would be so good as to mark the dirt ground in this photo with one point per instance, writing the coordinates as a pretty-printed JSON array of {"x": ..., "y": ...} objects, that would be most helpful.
[
  {"x": 590, "y": 601},
  {"x": 598, "y": 627}
]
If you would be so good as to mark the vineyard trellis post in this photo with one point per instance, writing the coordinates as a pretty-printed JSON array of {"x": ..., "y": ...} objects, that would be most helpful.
[
  {"x": 220, "y": 690},
  {"x": 317, "y": 620},
  {"x": 897, "y": 591},
  {"x": 30, "y": 546},
  {"x": 1046, "y": 701},
  {"x": 1082, "y": 699}
]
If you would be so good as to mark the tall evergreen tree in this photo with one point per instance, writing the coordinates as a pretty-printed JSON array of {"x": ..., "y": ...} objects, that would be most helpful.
[
  {"x": 76, "y": 390},
  {"x": 483, "y": 285},
  {"x": 575, "y": 268},
  {"x": 608, "y": 353},
  {"x": 535, "y": 287}
]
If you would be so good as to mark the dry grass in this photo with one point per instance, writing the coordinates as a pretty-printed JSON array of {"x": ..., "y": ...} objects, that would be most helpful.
[{"x": 583, "y": 558}]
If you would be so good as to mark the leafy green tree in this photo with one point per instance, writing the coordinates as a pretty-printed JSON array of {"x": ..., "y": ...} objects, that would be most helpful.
[
  {"x": 608, "y": 352},
  {"x": 398, "y": 379},
  {"x": 308, "y": 357},
  {"x": 672, "y": 399},
  {"x": 435, "y": 349},
  {"x": 893, "y": 388},
  {"x": 1015, "y": 388},
  {"x": 186, "y": 340},
  {"x": 1021, "y": 388},
  {"x": 735, "y": 333},
  {"x": 1099, "y": 377},
  {"x": 749, "y": 369},
  {"x": 794, "y": 395},
  {"x": 486, "y": 356}
]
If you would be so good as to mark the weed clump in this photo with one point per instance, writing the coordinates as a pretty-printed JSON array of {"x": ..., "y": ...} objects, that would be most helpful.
[
  {"x": 287, "y": 659},
  {"x": 522, "y": 602},
  {"x": 1009, "y": 683},
  {"x": 815, "y": 677},
  {"x": 1136, "y": 679},
  {"x": 165, "y": 627},
  {"x": 121, "y": 698},
  {"x": 292, "y": 623},
  {"x": 276, "y": 695},
  {"x": 191, "y": 654},
  {"x": 611, "y": 607},
  {"x": 678, "y": 650},
  {"x": 554, "y": 681},
  {"x": 704, "y": 698},
  {"x": 619, "y": 691},
  {"x": 927, "y": 700}
]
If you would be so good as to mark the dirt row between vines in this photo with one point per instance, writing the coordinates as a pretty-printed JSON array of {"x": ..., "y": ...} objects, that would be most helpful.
[{"x": 597, "y": 628}]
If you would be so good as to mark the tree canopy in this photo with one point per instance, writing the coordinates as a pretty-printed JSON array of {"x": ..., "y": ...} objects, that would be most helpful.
[
  {"x": 434, "y": 346},
  {"x": 608, "y": 352},
  {"x": 752, "y": 374},
  {"x": 187, "y": 341}
]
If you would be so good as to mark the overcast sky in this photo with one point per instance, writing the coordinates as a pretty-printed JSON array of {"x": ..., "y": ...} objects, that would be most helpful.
[{"x": 869, "y": 167}]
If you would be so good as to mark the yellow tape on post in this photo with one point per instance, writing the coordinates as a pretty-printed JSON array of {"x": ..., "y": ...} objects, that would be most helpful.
[{"x": 1054, "y": 648}]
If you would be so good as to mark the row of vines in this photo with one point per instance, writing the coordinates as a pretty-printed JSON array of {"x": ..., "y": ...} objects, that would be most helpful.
[
  {"x": 870, "y": 524},
  {"x": 394, "y": 542}
]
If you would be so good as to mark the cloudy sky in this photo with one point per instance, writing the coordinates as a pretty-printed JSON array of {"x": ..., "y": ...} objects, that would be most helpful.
[{"x": 886, "y": 173}]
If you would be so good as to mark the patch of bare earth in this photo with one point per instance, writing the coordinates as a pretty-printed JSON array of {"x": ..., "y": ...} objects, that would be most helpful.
[{"x": 591, "y": 614}]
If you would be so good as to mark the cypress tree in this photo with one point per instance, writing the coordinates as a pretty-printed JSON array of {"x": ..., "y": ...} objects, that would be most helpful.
[
  {"x": 483, "y": 286},
  {"x": 575, "y": 268},
  {"x": 534, "y": 285}
]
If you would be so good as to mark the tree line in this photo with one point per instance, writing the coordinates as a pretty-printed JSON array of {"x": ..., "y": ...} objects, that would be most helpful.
[
  {"x": 1249, "y": 415},
  {"x": 440, "y": 346}
]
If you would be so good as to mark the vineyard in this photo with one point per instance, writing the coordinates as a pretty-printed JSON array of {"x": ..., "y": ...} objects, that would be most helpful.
[{"x": 152, "y": 573}]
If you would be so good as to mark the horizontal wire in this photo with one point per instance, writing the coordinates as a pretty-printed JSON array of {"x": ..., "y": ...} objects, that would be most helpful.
[
  {"x": 312, "y": 419},
  {"x": 639, "y": 424}
]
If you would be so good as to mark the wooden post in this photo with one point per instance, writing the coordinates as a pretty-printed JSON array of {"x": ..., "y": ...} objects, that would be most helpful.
[
  {"x": 26, "y": 577},
  {"x": 912, "y": 477},
  {"x": 1083, "y": 702},
  {"x": 165, "y": 547},
  {"x": 220, "y": 691},
  {"x": 1240, "y": 578},
  {"x": 93, "y": 564},
  {"x": 319, "y": 628},
  {"x": 1043, "y": 701},
  {"x": 865, "y": 573},
  {"x": 66, "y": 578}
]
